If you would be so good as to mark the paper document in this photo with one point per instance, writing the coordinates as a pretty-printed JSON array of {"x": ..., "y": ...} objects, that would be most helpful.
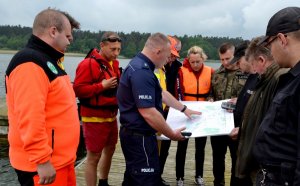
[{"x": 212, "y": 122}]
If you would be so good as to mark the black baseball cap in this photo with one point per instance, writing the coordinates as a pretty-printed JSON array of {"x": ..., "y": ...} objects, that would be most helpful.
[
  {"x": 284, "y": 21},
  {"x": 239, "y": 51}
]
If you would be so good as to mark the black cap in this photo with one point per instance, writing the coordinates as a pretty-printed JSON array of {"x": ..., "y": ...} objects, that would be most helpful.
[
  {"x": 239, "y": 51},
  {"x": 284, "y": 21}
]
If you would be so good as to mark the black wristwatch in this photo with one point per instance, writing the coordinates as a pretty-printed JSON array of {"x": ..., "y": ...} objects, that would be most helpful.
[{"x": 184, "y": 108}]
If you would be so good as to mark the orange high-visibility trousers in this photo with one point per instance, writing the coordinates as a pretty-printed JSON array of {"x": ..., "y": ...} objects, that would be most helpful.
[{"x": 64, "y": 176}]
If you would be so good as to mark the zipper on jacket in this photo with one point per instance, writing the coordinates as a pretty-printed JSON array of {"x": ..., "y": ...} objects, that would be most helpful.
[
  {"x": 52, "y": 140},
  {"x": 197, "y": 89},
  {"x": 225, "y": 88}
]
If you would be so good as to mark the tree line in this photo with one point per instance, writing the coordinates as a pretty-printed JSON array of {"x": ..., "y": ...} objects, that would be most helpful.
[{"x": 15, "y": 38}]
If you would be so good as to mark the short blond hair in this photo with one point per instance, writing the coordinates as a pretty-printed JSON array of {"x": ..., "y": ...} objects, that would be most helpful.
[
  {"x": 157, "y": 40},
  {"x": 197, "y": 50}
]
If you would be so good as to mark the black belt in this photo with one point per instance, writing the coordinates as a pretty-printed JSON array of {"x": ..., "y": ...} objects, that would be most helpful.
[{"x": 137, "y": 132}]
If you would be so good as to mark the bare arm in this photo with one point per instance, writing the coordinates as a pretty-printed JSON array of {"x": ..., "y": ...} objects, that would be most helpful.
[
  {"x": 171, "y": 101},
  {"x": 156, "y": 121}
]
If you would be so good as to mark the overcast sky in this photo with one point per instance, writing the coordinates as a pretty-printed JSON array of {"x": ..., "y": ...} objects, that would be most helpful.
[{"x": 232, "y": 18}]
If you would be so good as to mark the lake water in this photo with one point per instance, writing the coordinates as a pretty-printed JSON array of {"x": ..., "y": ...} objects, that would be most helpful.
[{"x": 70, "y": 64}]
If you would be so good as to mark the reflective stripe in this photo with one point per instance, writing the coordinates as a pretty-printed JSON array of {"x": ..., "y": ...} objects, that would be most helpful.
[
  {"x": 97, "y": 119},
  {"x": 146, "y": 155}
]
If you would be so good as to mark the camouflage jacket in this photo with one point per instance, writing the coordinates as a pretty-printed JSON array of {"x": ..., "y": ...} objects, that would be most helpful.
[{"x": 227, "y": 84}]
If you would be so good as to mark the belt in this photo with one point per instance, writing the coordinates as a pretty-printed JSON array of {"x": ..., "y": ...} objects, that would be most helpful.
[{"x": 137, "y": 132}]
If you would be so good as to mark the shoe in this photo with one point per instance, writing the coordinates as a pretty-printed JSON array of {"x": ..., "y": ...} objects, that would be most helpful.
[
  {"x": 199, "y": 181},
  {"x": 180, "y": 182},
  {"x": 103, "y": 182},
  {"x": 164, "y": 183}
]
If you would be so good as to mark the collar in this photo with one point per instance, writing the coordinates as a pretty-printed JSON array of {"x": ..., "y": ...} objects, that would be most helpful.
[
  {"x": 222, "y": 69},
  {"x": 273, "y": 68},
  {"x": 95, "y": 53},
  {"x": 37, "y": 43},
  {"x": 269, "y": 73},
  {"x": 295, "y": 71},
  {"x": 174, "y": 65},
  {"x": 147, "y": 61}
]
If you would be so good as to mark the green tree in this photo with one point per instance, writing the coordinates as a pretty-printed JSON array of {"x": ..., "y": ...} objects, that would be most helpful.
[{"x": 15, "y": 38}]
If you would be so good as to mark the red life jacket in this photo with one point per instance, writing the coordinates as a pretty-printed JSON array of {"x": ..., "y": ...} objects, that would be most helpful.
[{"x": 106, "y": 99}]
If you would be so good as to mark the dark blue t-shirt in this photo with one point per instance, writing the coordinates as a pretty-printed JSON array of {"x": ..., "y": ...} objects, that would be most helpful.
[{"x": 138, "y": 88}]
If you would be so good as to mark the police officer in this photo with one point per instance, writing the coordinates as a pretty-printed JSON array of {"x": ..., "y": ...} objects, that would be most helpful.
[
  {"x": 140, "y": 102},
  {"x": 277, "y": 145}
]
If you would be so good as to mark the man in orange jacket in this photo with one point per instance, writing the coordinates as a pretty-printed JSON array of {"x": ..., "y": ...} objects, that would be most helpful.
[{"x": 42, "y": 111}]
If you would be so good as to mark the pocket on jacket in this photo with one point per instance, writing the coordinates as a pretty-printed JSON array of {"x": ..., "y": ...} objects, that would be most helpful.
[{"x": 281, "y": 103}]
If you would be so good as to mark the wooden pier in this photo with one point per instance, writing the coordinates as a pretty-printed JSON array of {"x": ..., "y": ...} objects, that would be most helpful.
[
  {"x": 118, "y": 167},
  {"x": 118, "y": 163}
]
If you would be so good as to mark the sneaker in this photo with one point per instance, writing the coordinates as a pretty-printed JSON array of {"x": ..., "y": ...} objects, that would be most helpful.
[
  {"x": 180, "y": 182},
  {"x": 199, "y": 181}
]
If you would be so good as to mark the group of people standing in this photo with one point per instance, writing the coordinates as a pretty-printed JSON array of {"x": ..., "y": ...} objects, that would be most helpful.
[{"x": 261, "y": 77}]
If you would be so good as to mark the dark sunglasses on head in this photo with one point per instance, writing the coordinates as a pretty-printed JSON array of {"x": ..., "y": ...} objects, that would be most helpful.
[{"x": 112, "y": 39}]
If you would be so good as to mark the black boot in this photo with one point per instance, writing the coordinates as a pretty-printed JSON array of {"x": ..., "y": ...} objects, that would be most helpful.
[{"x": 103, "y": 182}]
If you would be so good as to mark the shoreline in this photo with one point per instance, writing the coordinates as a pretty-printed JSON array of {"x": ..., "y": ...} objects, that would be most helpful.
[
  {"x": 71, "y": 54},
  {"x": 2, "y": 51}
]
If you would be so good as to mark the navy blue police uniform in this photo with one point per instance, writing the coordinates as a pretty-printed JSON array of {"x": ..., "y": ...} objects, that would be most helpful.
[{"x": 139, "y": 88}]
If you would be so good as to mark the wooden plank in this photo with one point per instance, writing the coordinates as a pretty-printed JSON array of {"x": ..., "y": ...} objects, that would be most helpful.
[{"x": 118, "y": 166}]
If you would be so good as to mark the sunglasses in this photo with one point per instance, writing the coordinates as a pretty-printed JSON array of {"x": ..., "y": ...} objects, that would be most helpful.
[
  {"x": 112, "y": 39},
  {"x": 268, "y": 44}
]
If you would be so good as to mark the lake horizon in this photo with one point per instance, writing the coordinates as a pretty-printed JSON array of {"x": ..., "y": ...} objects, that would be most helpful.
[{"x": 70, "y": 64}]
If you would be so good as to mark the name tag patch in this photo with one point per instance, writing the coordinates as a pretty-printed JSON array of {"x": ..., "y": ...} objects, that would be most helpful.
[
  {"x": 147, "y": 169},
  {"x": 145, "y": 97}
]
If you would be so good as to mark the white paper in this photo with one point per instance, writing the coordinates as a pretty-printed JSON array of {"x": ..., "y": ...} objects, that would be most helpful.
[{"x": 212, "y": 122}]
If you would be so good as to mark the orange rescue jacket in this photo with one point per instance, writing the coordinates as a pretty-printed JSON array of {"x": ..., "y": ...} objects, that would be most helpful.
[
  {"x": 196, "y": 89},
  {"x": 42, "y": 110}
]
